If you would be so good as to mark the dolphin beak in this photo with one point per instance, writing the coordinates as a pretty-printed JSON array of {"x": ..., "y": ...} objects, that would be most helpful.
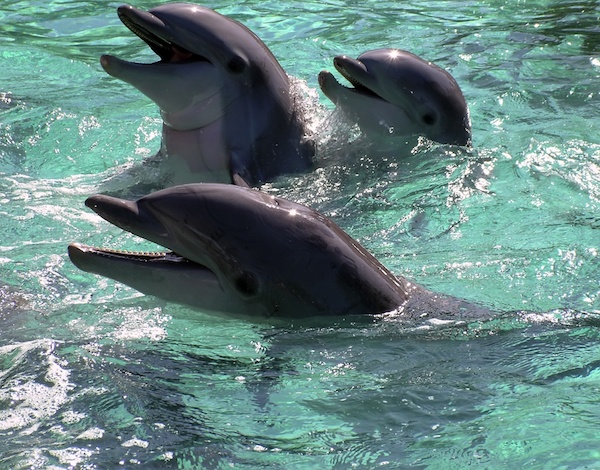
[
  {"x": 352, "y": 70},
  {"x": 140, "y": 220}
]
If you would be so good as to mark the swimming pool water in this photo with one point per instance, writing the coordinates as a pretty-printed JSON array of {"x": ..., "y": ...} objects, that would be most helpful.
[{"x": 95, "y": 375}]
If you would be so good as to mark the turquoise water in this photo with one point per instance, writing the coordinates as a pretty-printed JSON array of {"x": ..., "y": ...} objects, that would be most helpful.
[{"x": 95, "y": 375}]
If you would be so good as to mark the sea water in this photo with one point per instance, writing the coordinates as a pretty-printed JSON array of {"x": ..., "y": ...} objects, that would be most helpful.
[{"x": 96, "y": 375}]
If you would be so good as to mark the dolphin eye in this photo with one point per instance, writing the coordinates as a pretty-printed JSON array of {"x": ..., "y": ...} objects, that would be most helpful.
[
  {"x": 429, "y": 119},
  {"x": 246, "y": 284},
  {"x": 237, "y": 65}
]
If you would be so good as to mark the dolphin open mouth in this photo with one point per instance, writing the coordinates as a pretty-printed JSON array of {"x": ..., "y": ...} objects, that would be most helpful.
[
  {"x": 126, "y": 216},
  {"x": 153, "y": 31},
  {"x": 355, "y": 72},
  {"x": 168, "y": 257}
]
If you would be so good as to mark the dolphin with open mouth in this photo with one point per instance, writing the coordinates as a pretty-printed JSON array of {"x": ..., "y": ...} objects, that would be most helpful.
[
  {"x": 228, "y": 114},
  {"x": 396, "y": 92},
  {"x": 241, "y": 252}
]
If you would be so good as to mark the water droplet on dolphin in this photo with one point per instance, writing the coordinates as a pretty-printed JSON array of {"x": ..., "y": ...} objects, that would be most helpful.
[{"x": 390, "y": 129}]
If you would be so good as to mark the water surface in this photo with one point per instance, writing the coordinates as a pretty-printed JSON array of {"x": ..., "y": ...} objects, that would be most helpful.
[{"x": 95, "y": 375}]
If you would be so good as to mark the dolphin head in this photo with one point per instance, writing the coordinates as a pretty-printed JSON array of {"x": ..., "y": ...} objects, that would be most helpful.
[
  {"x": 206, "y": 62},
  {"x": 243, "y": 252},
  {"x": 396, "y": 92}
]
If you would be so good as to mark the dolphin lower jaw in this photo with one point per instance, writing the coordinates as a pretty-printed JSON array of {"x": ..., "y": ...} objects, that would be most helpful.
[
  {"x": 174, "y": 278},
  {"x": 132, "y": 267},
  {"x": 190, "y": 95},
  {"x": 117, "y": 263},
  {"x": 164, "y": 275},
  {"x": 374, "y": 115}
]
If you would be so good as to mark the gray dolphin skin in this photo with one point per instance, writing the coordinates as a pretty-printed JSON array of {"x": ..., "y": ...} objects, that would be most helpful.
[
  {"x": 396, "y": 92},
  {"x": 241, "y": 252},
  {"x": 228, "y": 114}
]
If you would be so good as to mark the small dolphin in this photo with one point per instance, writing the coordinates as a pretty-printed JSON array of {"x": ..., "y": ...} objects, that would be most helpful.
[
  {"x": 242, "y": 252},
  {"x": 228, "y": 115},
  {"x": 396, "y": 92}
]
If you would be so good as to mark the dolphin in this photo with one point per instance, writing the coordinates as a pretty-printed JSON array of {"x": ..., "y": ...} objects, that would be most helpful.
[
  {"x": 396, "y": 92},
  {"x": 228, "y": 114},
  {"x": 244, "y": 253}
]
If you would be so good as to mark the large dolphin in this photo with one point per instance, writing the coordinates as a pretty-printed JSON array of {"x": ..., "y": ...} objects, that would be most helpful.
[
  {"x": 396, "y": 92},
  {"x": 242, "y": 252},
  {"x": 224, "y": 99}
]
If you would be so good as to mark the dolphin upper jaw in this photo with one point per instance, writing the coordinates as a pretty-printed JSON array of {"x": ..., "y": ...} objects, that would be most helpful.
[
  {"x": 170, "y": 32},
  {"x": 363, "y": 81},
  {"x": 137, "y": 218},
  {"x": 357, "y": 74},
  {"x": 127, "y": 216},
  {"x": 154, "y": 32}
]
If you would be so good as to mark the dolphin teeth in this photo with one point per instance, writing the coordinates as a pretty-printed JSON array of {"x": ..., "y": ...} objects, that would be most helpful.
[
  {"x": 358, "y": 86},
  {"x": 138, "y": 256},
  {"x": 141, "y": 254}
]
